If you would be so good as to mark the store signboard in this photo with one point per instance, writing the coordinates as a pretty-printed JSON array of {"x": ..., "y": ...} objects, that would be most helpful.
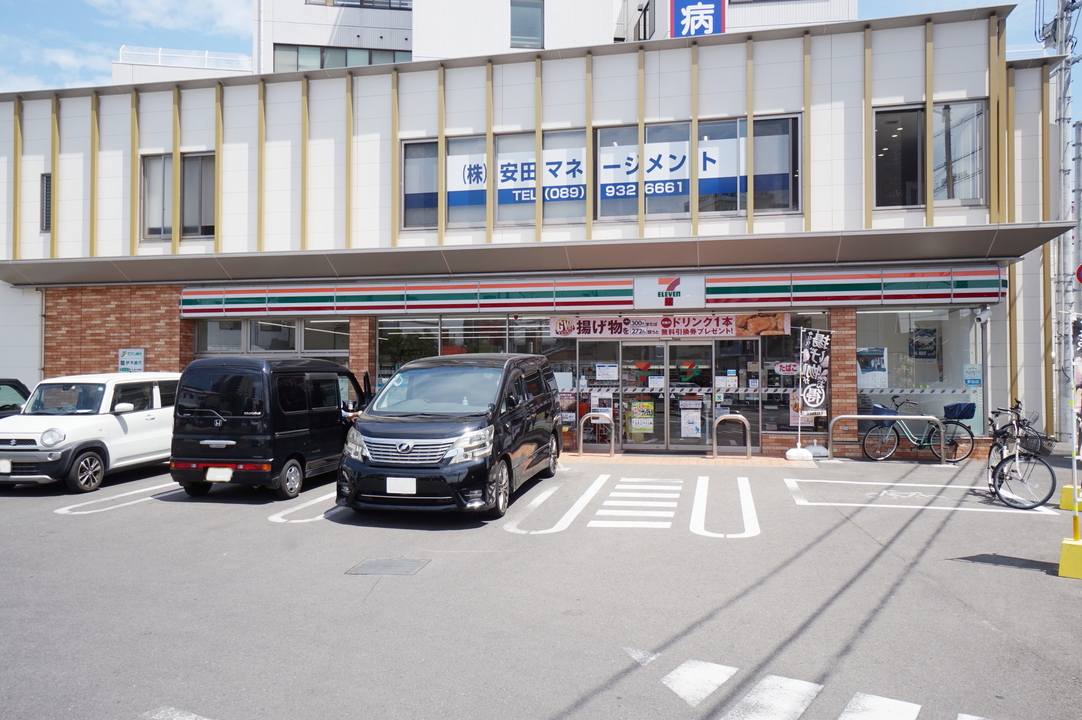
[
  {"x": 561, "y": 177},
  {"x": 684, "y": 291},
  {"x": 671, "y": 326},
  {"x": 131, "y": 360},
  {"x": 692, "y": 18}
]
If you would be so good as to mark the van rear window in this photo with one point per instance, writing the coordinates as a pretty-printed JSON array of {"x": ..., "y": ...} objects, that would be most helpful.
[{"x": 220, "y": 392}]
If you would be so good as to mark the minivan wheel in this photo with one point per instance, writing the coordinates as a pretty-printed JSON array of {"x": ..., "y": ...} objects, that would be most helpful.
[
  {"x": 499, "y": 488},
  {"x": 196, "y": 489},
  {"x": 554, "y": 456},
  {"x": 86, "y": 473},
  {"x": 290, "y": 481}
]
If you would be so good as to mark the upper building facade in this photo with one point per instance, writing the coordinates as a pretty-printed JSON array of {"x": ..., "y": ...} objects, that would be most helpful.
[{"x": 662, "y": 219}]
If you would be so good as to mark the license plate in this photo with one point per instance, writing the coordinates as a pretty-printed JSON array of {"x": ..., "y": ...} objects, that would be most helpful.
[
  {"x": 219, "y": 474},
  {"x": 401, "y": 486},
  {"x": 5, "y": 467}
]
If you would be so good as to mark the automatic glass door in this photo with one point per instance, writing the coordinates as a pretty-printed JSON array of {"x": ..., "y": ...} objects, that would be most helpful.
[{"x": 665, "y": 396}]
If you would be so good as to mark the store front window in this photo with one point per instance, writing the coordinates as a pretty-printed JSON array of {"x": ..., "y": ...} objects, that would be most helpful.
[
  {"x": 322, "y": 338},
  {"x": 929, "y": 356}
]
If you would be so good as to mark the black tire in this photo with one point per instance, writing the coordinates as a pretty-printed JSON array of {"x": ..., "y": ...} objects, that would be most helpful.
[
  {"x": 995, "y": 457},
  {"x": 86, "y": 472},
  {"x": 957, "y": 441},
  {"x": 196, "y": 489},
  {"x": 880, "y": 442},
  {"x": 498, "y": 491},
  {"x": 290, "y": 481},
  {"x": 554, "y": 456},
  {"x": 1024, "y": 481}
]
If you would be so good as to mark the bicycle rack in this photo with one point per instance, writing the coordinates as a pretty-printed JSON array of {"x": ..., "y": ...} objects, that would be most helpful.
[
  {"x": 608, "y": 421},
  {"x": 747, "y": 433},
  {"x": 929, "y": 418}
]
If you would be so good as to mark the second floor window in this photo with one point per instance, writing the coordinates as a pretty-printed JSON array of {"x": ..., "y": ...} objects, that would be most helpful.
[
  {"x": 528, "y": 23},
  {"x": 196, "y": 196},
  {"x": 46, "y": 202}
]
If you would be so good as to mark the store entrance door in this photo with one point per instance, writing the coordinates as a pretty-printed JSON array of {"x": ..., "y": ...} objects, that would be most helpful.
[{"x": 666, "y": 395}]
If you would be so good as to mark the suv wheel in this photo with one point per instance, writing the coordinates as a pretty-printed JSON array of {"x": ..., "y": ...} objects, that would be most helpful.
[
  {"x": 86, "y": 473},
  {"x": 554, "y": 456},
  {"x": 290, "y": 481},
  {"x": 499, "y": 490}
]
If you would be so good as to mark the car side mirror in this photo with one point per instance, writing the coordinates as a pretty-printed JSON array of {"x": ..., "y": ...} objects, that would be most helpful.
[
  {"x": 121, "y": 408},
  {"x": 512, "y": 402}
]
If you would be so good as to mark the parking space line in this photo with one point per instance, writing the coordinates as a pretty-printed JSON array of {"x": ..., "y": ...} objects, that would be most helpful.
[
  {"x": 580, "y": 504},
  {"x": 512, "y": 525},
  {"x": 280, "y": 517},
  {"x": 628, "y": 524},
  {"x": 799, "y": 498},
  {"x": 637, "y": 513},
  {"x": 70, "y": 509},
  {"x": 639, "y": 503}
]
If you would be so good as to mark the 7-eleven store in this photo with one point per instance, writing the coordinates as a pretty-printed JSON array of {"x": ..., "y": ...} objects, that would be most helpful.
[{"x": 664, "y": 356}]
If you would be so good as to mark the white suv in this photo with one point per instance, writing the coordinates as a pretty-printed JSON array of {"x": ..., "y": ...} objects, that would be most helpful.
[{"x": 80, "y": 427}]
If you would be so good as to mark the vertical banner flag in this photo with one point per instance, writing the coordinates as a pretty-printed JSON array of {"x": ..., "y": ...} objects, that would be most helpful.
[
  {"x": 1076, "y": 356},
  {"x": 697, "y": 17},
  {"x": 815, "y": 369}
]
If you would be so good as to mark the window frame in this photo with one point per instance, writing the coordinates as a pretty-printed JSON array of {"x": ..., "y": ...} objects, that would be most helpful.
[
  {"x": 526, "y": 10},
  {"x": 46, "y": 203},
  {"x": 435, "y": 193},
  {"x": 165, "y": 206}
]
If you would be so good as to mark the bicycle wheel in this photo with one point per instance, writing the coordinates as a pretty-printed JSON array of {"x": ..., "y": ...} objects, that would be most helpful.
[
  {"x": 880, "y": 442},
  {"x": 995, "y": 457},
  {"x": 957, "y": 441},
  {"x": 1024, "y": 481}
]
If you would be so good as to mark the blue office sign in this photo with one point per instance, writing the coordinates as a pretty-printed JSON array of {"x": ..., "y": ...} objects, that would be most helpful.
[{"x": 697, "y": 17}]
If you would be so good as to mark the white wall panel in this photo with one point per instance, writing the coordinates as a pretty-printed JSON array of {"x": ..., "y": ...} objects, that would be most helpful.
[
  {"x": 465, "y": 101},
  {"x": 72, "y": 189},
  {"x": 779, "y": 76},
  {"x": 513, "y": 97},
  {"x": 1027, "y": 144},
  {"x": 372, "y": 153},
  {"x": 668, "y": 85},
  {"x": 7, "y": 175},
  {"x": 616, "y": 95},
  {"x": 37, "y": 159},
  {"x": 114, "y": 167},
  {"x": 21, "y": 350},
  {"x": 326, "y": 164},
  {"x": 960, "y": 60},
  {"x": 283, "y": 157},
  {"x": 418, "y": 104},
  {"x": 197, "y": 120},
  {"x": 898, "y": 66},
  {"x": 723, "y": 81},
  {"x": 240, "y": 167},
  {"x": 155, "y": 123},
  {"x": 563, "y": 92}
]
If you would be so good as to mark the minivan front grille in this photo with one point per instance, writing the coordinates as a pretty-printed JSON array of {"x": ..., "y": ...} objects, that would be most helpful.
[{"x": 407, "y": 452}]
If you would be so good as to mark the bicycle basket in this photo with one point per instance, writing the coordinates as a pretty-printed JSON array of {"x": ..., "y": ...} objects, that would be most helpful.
[
  {"x": 1037, "y": 443},
  {"x": 959, "y": 411},
  {"x": 1030, "y": 417},
  {"x": 878, "y": 409}
]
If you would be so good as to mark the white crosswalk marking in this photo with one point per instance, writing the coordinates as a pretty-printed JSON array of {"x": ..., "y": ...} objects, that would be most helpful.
[
  {"x": 970, "y": 717},
  {"x": 647, "y": 493},
  {"x": 694, "y": 680},
  {"x": 873, "y": 707},
  {"x": 775, "y": 698}
]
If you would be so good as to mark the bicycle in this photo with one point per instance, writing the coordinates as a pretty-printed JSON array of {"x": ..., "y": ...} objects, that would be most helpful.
[
  {"x": 1005, "y": 436},
  {"x": 882, "y": 439},
  {"x": 1022, "y": 479}
]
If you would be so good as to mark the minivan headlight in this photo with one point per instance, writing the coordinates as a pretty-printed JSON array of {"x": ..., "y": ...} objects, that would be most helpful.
[
  {"x": 355, "y": 447},
  {"x": 51, "y": 437},
  {"x": 472, "y": 446}
]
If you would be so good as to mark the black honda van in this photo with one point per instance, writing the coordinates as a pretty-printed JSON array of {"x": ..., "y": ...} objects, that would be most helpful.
[
  {"x": 260, "y": 422},
  {"x": 456, "y": 432}
]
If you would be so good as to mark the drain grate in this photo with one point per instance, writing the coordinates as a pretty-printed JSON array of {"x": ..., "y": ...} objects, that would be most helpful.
[{"x": 384, "y": 566}]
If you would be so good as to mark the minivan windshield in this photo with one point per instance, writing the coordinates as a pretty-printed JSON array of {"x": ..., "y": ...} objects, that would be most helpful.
[
  {"x": 65, "y": 399},
  {"x": 439, "y": 390},
  {"x": 225, "y": 392}
]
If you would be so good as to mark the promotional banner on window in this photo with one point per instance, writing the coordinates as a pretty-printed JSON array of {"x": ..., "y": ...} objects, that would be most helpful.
[
  {"x": 467, "y": 176},
  {"x": 667, "y": 169},
  {"x": 688, "y": 326},
  {"x": 561, "y": 176},
  {"x": 691, "y": 18}
]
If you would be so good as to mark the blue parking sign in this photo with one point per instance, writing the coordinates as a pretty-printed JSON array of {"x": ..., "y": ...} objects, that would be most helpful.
[{"x": 697, "y": 17}]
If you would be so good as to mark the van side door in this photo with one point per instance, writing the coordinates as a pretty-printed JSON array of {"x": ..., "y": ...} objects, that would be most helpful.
[
  {"x": 325, "y": 422},
  {"x": 131, "y": 435},
  {"x": 536, "y": 422},
  {"x": 511, "y": 424},
  {"x": 290, "y": 417}
]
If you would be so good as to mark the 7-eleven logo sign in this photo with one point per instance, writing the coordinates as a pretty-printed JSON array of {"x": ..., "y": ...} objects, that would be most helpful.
[{"x": 658, "y": 293}]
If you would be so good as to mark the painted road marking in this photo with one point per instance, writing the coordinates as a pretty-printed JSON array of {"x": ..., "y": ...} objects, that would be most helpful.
[
  {"x": 873, "y": 707},
  {"x": 747, "y": 508},
  {"x": 569, "y": 516},
  {"x": 694, "y": 680},
  {"x": 647, "y": 490},
  {"x": 280, "y": 517},
  {"x": 71, "y": 509},
  {"x": 775, "y": 698},
  {"x": 168, "y": 713},
  {"x": 800, "y": 499}
]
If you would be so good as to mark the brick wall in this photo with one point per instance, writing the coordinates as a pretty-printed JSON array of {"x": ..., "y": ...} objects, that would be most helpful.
[
  {"x": 843, "y": 379},
  {"x": 86, "y": 326},
  {"x": 362, "y": 347}
]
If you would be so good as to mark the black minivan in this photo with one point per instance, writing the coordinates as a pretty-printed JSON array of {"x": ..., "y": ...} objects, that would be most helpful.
[
  {"x": 455, "y": 432},
  {"x": 260, "y": 422}
]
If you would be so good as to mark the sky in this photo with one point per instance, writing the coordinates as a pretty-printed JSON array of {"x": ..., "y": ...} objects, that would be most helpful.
[{"x": 48, "y": 44}]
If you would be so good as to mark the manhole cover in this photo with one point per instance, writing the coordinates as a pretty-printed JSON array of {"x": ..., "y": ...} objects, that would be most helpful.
[{"x": 383, "y": 566}]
